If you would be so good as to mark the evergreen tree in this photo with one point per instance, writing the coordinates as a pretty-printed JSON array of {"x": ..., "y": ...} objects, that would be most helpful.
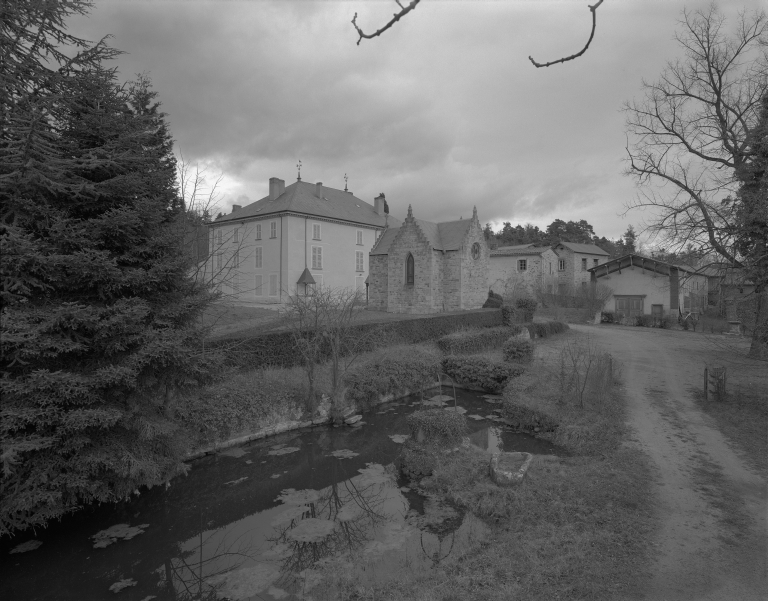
[
  {"x": 629, "y": 240},
  {"x": 98, "y": 307}
]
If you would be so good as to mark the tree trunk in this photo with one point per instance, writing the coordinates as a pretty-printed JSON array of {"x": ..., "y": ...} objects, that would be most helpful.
[{"x": 759, "y": 348}]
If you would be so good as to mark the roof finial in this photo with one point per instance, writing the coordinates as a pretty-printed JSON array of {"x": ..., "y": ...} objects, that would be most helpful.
[
  {"x": 410, "y": 212},
  {"x": 474, "y": 212},
  {"x": 345, "y": 183},
  {"x": 298, "y": 166}
]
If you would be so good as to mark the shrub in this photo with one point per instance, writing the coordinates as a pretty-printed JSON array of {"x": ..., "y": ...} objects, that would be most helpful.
[
  {"x": 494, "y": 301},
  {"x": 417, "y": 461},
  {"x": 527, "y": 418},
  {"x": 480, "y": 371},
  {"x": 607, "y": 317},
  {"x": 526, "y": 307},
  {"x": 518, "y": 349},
  {"x": 395, "y": 368},
  {"x": 509, "y": 315},
  {"x": 439, "y": 427},
  {"x": 546, "y": 328},
  {"x": 472, "y": 341},
  {"x": 644, "y": 321}
]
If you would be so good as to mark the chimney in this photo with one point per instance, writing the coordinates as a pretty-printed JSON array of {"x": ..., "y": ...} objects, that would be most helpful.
[
  {"x": 319, "y": 189},
  {"x": 236, "y": 208},
  {"x": 379, "y": 203},
  {"x": 276, "y": 187}
]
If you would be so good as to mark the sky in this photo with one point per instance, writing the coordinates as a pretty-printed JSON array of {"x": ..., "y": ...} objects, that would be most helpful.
[{"x": 443, "y": 112}]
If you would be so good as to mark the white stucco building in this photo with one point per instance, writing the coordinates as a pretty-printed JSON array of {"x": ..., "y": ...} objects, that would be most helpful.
[{"x": 299, "y": 235}]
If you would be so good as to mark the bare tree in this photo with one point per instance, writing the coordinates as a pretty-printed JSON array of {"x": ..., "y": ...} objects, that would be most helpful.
[
  {"x": 405, "y": 9},
  {"x": 688, "y": 135},
  {"x": 322, "y": 324}
]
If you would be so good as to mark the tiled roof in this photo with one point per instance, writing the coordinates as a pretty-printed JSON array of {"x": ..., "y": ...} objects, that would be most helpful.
[
  {"x": 588, "y": 249},
  {"x": 639, "y": 261},
  {"x": 442, "y": 236},
  {"x": 523, "y": 249},
  {"x": 300, "y": 197}
]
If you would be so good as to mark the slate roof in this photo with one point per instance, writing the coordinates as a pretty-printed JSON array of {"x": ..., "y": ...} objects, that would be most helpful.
[
  {"x": 521, "y": 249},
  {"x": 588, "y": 249},
  {"x": 300, "y": 197},
  {"x": 631, "y": 259},
  {"x": 448, "y": 235}
]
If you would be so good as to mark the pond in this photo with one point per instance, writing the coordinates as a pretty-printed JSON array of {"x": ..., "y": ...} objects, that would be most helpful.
[{"x": 260, "y": 521}]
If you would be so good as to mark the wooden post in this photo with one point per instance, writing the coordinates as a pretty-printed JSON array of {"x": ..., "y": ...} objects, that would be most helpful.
[{"x": 706, "y": 385}]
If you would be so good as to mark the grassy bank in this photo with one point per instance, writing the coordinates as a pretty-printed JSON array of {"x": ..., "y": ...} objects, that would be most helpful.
[{"x": 577, "y": 527}]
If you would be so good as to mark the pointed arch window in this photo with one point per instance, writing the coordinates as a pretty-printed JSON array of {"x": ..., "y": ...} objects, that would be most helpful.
[{"x": 410, "y": 269}]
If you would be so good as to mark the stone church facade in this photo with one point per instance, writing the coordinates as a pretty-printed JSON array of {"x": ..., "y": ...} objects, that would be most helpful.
[{"x": 425, "y": 267}]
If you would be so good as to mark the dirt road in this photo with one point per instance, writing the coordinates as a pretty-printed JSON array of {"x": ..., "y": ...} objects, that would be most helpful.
[{"x": 712, "y": 504}]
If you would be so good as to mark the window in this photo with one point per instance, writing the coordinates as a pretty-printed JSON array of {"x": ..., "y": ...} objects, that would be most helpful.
[
  {"x": 629, "y": 306},
  {"x": 218, "y": 235},
  {"x": 218, "y": 261},
  {"x": 318, "y": 277},
  {"x": 236, "y": 235},
  {"x": 594, "y": 262},
  {"x": 316, "y": 231},
  {"x": 476, "y": 251},
  {"x": 258, "y": 286},
  {"x": 359, "y": 283},
  {"x": 258, "y": 258},
  {"x": 317, "y": 257},
  {"x": 360, "y": 237},
  {"x": 236, "y": 259},
  {"x": 583, "y": 264},
  {"x": 273, "y": 229},
  {"x": 410, "y": 269},
  {"x": 258, "y": 231},
  {"x": 359, "y": 261},
  {"x": 561, "y": 265},
  {"x": 522, "y": 264},
  {"x": 550, "y": 267},
  {"x": 272, "y": 284}
]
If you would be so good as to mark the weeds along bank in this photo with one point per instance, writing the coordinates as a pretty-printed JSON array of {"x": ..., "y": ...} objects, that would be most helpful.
[
  {"x": 577, "y": 527},
  {"x": 270, "y": 398}
]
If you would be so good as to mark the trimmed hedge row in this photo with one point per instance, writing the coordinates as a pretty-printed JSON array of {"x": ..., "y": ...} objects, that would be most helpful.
[
  {"x": 276, "y": 349},
  {"x": 472, "y": 341},
  {"x": 522, "y": 311},
  {"x": 480, "y": 371},
  {"x": 397, "y": 368}
]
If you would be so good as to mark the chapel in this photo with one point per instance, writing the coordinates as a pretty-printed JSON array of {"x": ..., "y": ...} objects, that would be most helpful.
[{"x": 425, "y": 267}]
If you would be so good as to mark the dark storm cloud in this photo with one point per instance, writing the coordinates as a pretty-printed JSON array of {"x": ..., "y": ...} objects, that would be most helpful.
[{"x": 443, "y": 112}]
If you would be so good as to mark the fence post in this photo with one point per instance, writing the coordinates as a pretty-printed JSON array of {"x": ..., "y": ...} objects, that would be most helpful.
[{"x": 706, "y": 385}]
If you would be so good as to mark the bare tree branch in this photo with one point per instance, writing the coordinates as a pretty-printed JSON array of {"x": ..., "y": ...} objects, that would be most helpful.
[
  {"x": 404, "y": 10},
  {"x": 593, "y": 9}
]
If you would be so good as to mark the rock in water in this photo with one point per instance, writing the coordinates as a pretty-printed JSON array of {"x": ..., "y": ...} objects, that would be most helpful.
[{"x": 353, "y": 420}]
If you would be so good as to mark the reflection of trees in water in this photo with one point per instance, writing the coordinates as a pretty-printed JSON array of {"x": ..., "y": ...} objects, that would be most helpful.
[
  {"x": 362, "y": 505},
  {"x": 188, "y": 576}
]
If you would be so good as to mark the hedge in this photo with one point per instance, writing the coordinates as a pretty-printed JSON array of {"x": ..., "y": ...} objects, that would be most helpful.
[
  {"x": 480, "y": 371},
  {"x": 395, "y": 368},
  {"x": 522, "y": 311},
  {"x": 276, "y": 349},
  {"x": 518, "y": 349},
  {"x": 441, "y": 427},
  {"x": 472, "y": 341},
  {"x": 546, "y": 328},
  {"x": 494, "y": 301}
]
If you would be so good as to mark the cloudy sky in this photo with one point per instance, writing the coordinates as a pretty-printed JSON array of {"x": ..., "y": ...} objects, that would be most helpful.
[{"x": 444, "y": 111}]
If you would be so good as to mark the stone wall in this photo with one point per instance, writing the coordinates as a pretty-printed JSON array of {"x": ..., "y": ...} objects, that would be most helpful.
[
  {"x": 474, "y": 272},
  {"x": 416, "y": 298},
  {"x": 377, "y": 283}
]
